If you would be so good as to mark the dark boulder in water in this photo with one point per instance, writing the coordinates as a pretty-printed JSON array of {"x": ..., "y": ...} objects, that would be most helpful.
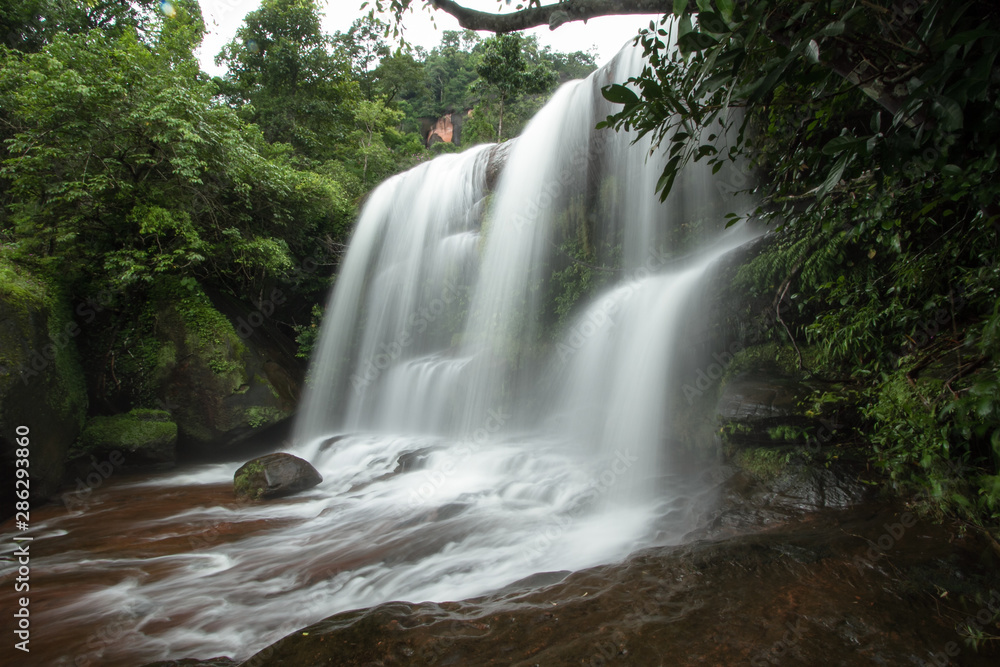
[{"x": 274, "y": 475}]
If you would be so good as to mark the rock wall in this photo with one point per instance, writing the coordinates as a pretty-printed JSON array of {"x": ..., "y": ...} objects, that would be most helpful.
[{"x": 41, "y": 382}]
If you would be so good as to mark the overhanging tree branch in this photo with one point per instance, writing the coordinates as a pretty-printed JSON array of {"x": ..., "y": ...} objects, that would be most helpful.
[
  {"x": 551, "y": 15},
  {"x": 856, "y": 68}
]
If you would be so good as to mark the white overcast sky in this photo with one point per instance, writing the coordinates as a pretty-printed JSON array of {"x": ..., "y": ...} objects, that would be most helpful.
[{"x": 607, "y": 35}]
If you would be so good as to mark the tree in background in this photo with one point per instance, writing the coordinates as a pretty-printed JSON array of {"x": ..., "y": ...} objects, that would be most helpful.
[
  {"x": 449, "y": 70},
  {"x": 286, "y": 77},
  {"x": 122, "y": 168},
  {"x": 507, "y": 75},
  {"x": 28, "y": 25},
  {"x": 397, "y": 74},
  {"x": 365, "y": 47}
]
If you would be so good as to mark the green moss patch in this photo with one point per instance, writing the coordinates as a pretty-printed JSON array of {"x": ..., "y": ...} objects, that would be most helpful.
[
  {"x": 258, "y": 416},
  {"x": 149, "y": 434},
  {"x": 250, "y": 481},
  {"x": 766, "y": 464}
]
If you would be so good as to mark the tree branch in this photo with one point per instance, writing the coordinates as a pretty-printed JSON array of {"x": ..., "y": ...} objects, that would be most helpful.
[
  {"x": 852, "y": 69},
  {"x": 551, "y": 15}
]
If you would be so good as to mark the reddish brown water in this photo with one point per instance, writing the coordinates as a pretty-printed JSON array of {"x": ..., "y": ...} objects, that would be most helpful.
[
  {"x": 135, "y": 577},
  {"x": 123, "y": 533}
]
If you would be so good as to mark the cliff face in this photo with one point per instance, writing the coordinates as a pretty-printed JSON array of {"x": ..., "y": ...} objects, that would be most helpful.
[
  {"x": 446, "y": 129},
  {"x": 220, "y": 375},
  {"x": 443, "y": 131}
]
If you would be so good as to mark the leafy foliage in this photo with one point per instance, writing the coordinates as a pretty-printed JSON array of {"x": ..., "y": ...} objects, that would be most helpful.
[
  {"x": 504, "y": 73},
  {"x": 873, "y": 133},
  {"x": 284, "y": 75}
]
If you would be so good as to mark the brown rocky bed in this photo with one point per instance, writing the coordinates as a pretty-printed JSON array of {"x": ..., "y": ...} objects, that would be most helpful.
[{"x": 870, "y": 585}]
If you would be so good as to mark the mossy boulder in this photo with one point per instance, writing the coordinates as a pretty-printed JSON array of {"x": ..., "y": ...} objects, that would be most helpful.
[
  {"x": 41, "y": 383},
  {"x": 143, "y": 437},
  {"x": 273, "y": 476},
  {"x": 219, "y": 387}
]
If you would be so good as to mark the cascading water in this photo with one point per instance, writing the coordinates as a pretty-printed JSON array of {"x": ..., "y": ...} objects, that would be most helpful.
[{"x": 470, "y": 430}]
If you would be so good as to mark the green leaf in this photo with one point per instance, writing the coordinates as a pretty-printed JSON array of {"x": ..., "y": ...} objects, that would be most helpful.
[
  {"x": 725, "y": 8},
  {"x": 712, "y": 22},
  {"x": 834, "y": 176},
  {"x": 619, "y": 94},
  {"x": 833, "y": 29},
  {"x": 843, "y": 143},
  {"x": 680, "y": 7},
  {"x": 684, "y": 26},
  {"x": 695, "y": 41},
  {"x": 969, "y": 36},
  {"x": 950, "y": 111}
]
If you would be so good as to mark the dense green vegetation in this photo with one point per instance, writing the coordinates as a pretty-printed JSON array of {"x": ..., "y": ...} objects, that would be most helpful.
[
  {"x": 873, "y": 132},
  {"x": 867, "y": 129},
  {"x": 129, "y": 178}
]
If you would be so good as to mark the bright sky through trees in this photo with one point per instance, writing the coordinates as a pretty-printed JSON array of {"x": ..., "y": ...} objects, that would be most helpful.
[{"x": 223, "y": 17}]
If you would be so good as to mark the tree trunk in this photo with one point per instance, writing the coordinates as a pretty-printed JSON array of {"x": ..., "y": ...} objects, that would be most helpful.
[{"x": 500, "y": 123}]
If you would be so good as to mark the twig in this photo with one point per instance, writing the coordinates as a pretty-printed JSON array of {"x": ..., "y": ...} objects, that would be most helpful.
[{"x": 777, "y": 312}]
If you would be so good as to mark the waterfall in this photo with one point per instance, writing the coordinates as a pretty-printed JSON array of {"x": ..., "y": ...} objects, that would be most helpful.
[
  {"x": 439, "y": 323},
  {"x": 494, "y": 394}
]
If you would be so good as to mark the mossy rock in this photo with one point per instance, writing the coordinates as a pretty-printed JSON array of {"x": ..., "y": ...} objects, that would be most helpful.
[
  {"x": 41, "y": 381},
  {"x": 273, "y": 476},
  {"x": 144, "y": 437},
  {"x": 219, "y": 388},
  {"x": 765, "y": 464}
]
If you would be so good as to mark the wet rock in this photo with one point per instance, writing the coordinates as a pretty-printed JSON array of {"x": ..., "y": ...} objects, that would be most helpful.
[
  {"x": 815, "y": 593},
  {"x": 808, "y": 487},
  {"x": 273, "y": 476},
  {"x": 497, "y": 161},
  {"x": 221, "y": 371},
  {"x": 748, "y": 502},
  {"x": 191, "y": 662},
  {"x": 752, "y": 397},
  {"x": 330, "y": 442},
  {"x": 415, "y": 460}
]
